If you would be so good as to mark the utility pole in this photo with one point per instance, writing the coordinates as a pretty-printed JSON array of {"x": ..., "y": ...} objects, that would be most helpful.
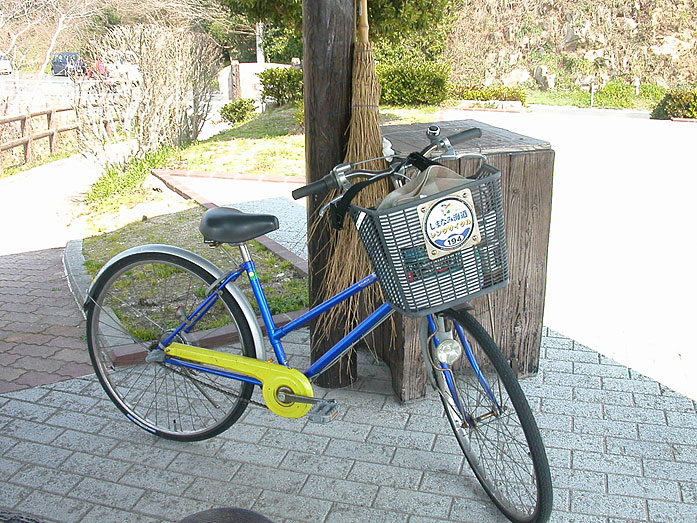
[{"x": 328, "y": 36}]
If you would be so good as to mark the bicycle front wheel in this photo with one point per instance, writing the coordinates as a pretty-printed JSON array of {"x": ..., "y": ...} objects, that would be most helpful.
[
  {"x": 136, "y": 303},
  {"x": 492, "y": 420}
]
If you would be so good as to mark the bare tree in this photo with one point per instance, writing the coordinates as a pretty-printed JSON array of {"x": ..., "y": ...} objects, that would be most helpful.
[{"x": 166, "y": 102}]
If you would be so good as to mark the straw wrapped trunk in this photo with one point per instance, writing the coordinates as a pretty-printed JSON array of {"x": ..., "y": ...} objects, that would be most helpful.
[{"x": 347, "y": 261}]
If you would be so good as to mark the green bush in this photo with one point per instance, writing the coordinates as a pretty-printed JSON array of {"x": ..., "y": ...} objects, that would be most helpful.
[
  {"x": 413, "y": 83},
  {"x": 282, "y": 85},
  {"x": 501, "y": 93},
  {"x": 677, "y": 103},
  {"x": 237, "y": 111},
  {"x": 651, "y": 94},
  {"x": 616, "y": 94}
]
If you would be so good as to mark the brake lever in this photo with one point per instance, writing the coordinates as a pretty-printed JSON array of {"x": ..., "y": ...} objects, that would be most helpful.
[{"x": 326, "y": 206}]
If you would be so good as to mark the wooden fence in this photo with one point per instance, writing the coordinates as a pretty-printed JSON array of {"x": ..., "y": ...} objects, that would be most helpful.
[{"x": 29, "y": 135}]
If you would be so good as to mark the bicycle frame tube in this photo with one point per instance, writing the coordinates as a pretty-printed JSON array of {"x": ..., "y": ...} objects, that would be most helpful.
[
  {"x": 203, "y": 307},
  {"x": 447, "y": 374},
  {"x": 338, "y": 350},
  {"x": 274, "y": 334}
]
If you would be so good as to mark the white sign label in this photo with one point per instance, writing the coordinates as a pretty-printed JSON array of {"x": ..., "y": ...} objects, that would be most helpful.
[{"x": 449, "y": 224}]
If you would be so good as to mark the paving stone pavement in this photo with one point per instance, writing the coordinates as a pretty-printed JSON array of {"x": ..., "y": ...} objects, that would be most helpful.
[
  {"x": 41, "y": 329},
  {"x": 621, "y": 448}
]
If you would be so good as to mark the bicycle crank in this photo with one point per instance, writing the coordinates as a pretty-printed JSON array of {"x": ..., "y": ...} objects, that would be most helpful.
[{"x": 277, "y": 381}]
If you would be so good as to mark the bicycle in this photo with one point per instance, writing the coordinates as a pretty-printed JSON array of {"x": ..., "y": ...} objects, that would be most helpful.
[{"x": 178, "y": 348}]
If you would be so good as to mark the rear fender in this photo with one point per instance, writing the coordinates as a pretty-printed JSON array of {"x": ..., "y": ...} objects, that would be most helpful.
[{"x": 209, "y": 267}]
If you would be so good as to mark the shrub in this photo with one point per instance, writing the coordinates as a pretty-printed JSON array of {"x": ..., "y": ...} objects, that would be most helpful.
[
  {"x": 677, "y": 103},
  {"x": 299, "y": 114},
  {"x": 501, "y": 93},
  {"x": 237, "y": 111},
  {"x": 651, "y": 94},
  {"x": 413, "y": 83},
  {"x": 282, "y": 85},
  {"x": 615, "y": 95}
]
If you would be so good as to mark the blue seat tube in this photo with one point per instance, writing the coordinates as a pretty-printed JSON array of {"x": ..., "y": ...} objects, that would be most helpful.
[{"x": 265, "y": 311}]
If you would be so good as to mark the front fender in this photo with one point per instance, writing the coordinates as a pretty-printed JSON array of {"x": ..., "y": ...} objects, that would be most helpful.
[{"x": 205, "y": 264}]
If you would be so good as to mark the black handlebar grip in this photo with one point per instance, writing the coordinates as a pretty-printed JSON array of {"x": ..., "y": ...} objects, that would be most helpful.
[
  {"x": 324, "y": 184},
  {"x": 469, "y": 134}
]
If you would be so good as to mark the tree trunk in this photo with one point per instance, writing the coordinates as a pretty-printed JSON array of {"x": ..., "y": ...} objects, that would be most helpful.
[{"x": 328, "y": 35}]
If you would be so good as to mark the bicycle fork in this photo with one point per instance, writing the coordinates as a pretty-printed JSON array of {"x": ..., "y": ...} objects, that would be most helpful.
[{"x": 448, "y": 355}]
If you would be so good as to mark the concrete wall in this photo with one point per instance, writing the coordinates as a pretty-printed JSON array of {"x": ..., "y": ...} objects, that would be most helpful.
[{"x": 250, "y": 87}]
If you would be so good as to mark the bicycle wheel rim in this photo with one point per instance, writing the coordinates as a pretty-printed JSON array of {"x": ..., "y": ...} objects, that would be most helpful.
[
  {"x": 136, "y": 303},
  {"x": 505, "y": 452}
]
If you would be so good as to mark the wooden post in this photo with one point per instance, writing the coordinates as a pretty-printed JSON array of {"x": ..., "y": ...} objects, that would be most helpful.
[
  {"x": 27, "y": 136},
  {"x": 328, "y": 35},
  {"x": 234, "y": 85},
  {"x": 51, "y": 126},
  {"x": 513, "y": 314}
]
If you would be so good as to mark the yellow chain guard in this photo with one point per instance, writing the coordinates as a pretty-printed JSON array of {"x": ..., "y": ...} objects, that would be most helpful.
[{"x": 272, "y": 376}]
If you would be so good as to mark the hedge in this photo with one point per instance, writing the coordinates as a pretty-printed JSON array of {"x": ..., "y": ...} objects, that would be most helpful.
[
  {"x": 677, "y": 103},
  {"x": 282, "y": 85},
  {"x": 237, "y": 111},
  {"x": 413, "y": 83},
  {"x": 494, "y": 92}
]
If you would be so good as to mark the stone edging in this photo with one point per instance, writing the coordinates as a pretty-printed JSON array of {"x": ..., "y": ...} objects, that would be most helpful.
[{"x": 78, "y": 279}]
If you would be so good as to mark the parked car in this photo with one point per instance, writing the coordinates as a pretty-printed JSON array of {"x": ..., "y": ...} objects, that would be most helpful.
[
  {"x": 5, "y": 64},
  {"x": 65, "y": 64}
]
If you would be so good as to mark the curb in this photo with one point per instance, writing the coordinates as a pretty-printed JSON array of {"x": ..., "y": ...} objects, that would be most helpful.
[
  {"x": 74, "y": 267},
  {"x": 184, "y": 173},
  {"x": 167, "y": 177}
]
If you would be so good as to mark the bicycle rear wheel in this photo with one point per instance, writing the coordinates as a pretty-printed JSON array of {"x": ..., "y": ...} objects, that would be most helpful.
[
  {"x": 136, "y": 303},
  {"x": 495, "y": 429}
]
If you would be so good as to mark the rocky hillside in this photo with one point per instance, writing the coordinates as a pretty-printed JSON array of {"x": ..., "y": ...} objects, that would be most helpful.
[{"x": 569, "y": 44}]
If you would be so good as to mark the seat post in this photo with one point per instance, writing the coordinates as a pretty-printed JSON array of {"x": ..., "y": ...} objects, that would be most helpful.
[{"x": 244, "y": 251}]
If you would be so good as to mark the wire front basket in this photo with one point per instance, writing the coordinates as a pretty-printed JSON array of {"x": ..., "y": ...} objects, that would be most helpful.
[{"x": 415, "y": 282}]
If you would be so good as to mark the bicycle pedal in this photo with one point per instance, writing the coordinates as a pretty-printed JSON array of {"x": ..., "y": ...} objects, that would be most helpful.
[{"x": 324, "y": 411}]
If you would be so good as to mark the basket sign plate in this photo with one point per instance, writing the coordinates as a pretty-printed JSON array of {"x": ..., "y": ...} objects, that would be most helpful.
[{"x": 449, "y": 224}]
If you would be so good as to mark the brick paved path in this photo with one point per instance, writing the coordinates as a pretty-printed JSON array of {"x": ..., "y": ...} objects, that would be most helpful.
[
  {"x": 620, "y": 446},
  {"x": 41, "y": 328}
]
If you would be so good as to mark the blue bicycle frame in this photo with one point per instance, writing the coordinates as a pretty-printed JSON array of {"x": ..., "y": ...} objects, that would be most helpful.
[{"x": 337, "y": 351}]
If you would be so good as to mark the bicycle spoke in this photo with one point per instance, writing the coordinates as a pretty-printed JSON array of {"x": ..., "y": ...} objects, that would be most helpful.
[{"x": 141, "y": 302}]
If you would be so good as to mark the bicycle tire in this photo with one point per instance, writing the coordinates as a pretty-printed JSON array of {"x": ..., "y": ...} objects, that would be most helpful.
[
  {"x": 135, "y": 303},
  {"x": 513, "y": 471}
]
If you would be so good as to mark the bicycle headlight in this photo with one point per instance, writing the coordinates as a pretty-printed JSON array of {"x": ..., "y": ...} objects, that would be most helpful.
[{"x": 448, "y": 351}]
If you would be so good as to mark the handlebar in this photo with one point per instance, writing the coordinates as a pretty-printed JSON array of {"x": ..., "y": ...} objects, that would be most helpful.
[
  {"x": 337, "y": 177},
  {"x": 324, "y": 184},
  {"x": 462, "y": 136}
]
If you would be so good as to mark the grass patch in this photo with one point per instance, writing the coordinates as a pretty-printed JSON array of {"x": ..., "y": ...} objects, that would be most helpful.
[
  {"x": 276, "y": 155},
  {"x": 285, "y": 290},
  {"x": 273, "y": 122},
  {"x": 613, "y": 96},
  {"x": 575, "y": 98},
  {"x": 407, "y": 115},
  {"x": 123, "y": 180}
]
